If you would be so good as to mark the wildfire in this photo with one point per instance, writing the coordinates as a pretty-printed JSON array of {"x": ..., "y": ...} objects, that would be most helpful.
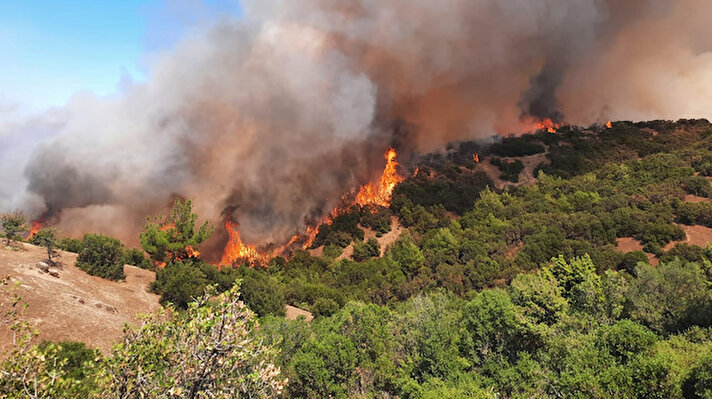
[
  {"x": 36, "y": 226},
  {"x": 192, "y": 252},
  {"x": 476, "y": 158},
  {"x": 380, "y": 194},
  {"x": 547, "y": 125},
  {"x": 609, "y": 124},
  {"x": 235, "y": 250}
]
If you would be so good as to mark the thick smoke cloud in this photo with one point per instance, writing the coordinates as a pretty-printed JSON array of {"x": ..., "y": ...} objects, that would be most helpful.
[{"x": 282, "y": 111}]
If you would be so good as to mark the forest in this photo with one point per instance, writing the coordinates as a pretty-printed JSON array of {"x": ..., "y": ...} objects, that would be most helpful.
[{"x": 490, "y": 290}]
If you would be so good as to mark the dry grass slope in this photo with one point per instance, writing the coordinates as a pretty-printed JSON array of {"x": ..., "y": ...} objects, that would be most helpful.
[{"x": 75, "y": 306}]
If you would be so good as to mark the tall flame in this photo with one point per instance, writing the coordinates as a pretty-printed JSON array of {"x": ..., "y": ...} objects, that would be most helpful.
[
  {"x": 381, "y": 193},
  {"x": 235, "y": 250},
  {"x": 36, "y": 226},
  {"x": 609, "y": 124}
]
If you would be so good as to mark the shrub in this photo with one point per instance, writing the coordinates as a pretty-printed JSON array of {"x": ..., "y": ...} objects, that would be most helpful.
[
  {"x": 631, "y": 260},
  {"x": 70, "y": 245},
  {"x": 369, "y": 249},
  {"x": 262, "y": 294},
  {"x": 516, "y": 147},
  {"x": 13, "y": 224},
  {"x": 136, "y": 257},
  {"x": 102, "y": 256}
]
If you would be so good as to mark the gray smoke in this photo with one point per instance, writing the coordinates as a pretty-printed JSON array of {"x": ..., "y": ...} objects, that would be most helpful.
[{"x": 280, "y": 112}]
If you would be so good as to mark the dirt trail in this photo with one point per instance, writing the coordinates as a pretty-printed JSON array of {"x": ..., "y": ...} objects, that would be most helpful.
[{"x": 74, "y": 306}]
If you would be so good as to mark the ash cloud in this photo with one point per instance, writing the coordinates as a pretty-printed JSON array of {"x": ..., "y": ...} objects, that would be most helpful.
[{"x": 280, "y": 112}]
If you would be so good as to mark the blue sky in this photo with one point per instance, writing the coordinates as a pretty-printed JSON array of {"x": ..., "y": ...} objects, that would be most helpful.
[{"x": 50, "y": 49}]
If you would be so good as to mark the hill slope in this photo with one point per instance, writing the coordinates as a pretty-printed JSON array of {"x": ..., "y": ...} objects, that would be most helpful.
[{"x": 75, "y": 306}]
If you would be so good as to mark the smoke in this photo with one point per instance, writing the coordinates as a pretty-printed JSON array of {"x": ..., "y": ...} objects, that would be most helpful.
[{"x": 278, "y": 113}]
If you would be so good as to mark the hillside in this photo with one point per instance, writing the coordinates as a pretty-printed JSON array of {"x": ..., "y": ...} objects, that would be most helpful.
[{"x": 75, "y": 306}]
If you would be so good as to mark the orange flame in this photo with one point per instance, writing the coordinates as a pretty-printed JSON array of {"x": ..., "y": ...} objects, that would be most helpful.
[
  {"x": 476, "y": 158},
  {"x": 36, "y": 226},
  {"x": 381, "y": 193},
  {"x": 609, "y": 124},
  {"x": 167, "y": 226},
  {"x": 547, "y": 125},
  {"x": 235, "y": 250},
  {"x": 192, "y": 253}
]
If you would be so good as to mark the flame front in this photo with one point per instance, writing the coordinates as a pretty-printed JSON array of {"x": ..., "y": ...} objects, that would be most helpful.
[
  {"x": 235, "y": 250},
  {"x": 476, "y": 158},
  {"x": 381, "y": 193},
  {"x": 547, "y": 125},
  {"x": 36, "y": 226},
  {"x": 609, "y": 124}
]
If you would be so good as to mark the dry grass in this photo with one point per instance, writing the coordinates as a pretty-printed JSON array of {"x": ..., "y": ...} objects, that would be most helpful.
[{"x": 75, "y": 306}]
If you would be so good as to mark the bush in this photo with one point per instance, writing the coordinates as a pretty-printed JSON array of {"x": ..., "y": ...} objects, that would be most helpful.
[
  {"x": 136, "y": 257},
  {"x": 631, "y": 260},
  {"x": 262, "y": 294},
  {"x": 102, "y": 256},
  {"x": 13, "y": 224},
  {"x": 70, "y": 245},
  {"x": 369, "y": 249},
  {"x": 516, "y": 147},
  {"x": 324, "y": 307}
]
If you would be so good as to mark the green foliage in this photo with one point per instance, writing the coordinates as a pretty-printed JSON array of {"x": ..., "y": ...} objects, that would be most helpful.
[
  {"x": 699, "y": 382},
  {"x": 631, "y": 260},
  {"x": 136, "y": 257},
  {"x": 517, "y": 147},
  {"x": 681, "y": 298},
  {"x": 13, "y": 224},
  {"x": 46, "y": 238},
  {"x": 102, "y": 256},
  {"x": 208, "y": 351},
  {"x": 166, "y": 239},
  {"x": 70, "y": 245},
  {"x": 510, "y": 169},
  {"x": 262, "y": 294},
  {"x": 367, "y": 250}
]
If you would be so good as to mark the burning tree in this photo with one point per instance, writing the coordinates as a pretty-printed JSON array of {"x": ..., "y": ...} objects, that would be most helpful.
[
  {"x": 174, "y": 238},
  {"x": 13, "y": 224}
]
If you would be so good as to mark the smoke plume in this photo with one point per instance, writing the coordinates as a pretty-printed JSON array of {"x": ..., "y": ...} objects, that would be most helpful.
[{"x": 281, "y": 111}]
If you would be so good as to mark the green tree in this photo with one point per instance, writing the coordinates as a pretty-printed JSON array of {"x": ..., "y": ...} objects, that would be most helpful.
[
  {"x": 47, "y": 238},
  {"x": 263, "y": 294},
  {"x": 699, "y": 382},
  {"x": 369, "y": 249},
  {"x": 169, "y": 239},
  {"x": 102, "y": 256},
  {"x": 406, "y": 254},
  {"x": 207, "y": 352},
  {"x": 13, "y": 224}
]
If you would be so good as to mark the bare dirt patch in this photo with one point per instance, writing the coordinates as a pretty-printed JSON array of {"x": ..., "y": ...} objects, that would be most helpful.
[
  {"x": 694, "y": 198},
  {"x": 75, "y": 306},
  {"x": 630, "y": 244},
  {"x": 384, "y": 241},
  {"x": 526, "y": 176},
  {"x": 695, "y": 235},
  {"x": 294, "y": 312}
]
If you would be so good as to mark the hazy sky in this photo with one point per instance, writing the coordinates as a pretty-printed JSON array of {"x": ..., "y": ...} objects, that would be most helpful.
[{"x": 51, "y": 49}]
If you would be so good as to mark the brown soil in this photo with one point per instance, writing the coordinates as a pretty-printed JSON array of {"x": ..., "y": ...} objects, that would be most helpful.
[
  {"x": 384, "y": 241},
  {"x": 74, "y": 306},
  {"x": 294, "y": 312},
  {"x": 630, "y": 244},
  {"x": 694, "y": 198},
  {"x": 526, "y": 176},
  {"x": 696, "y": 235}
]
